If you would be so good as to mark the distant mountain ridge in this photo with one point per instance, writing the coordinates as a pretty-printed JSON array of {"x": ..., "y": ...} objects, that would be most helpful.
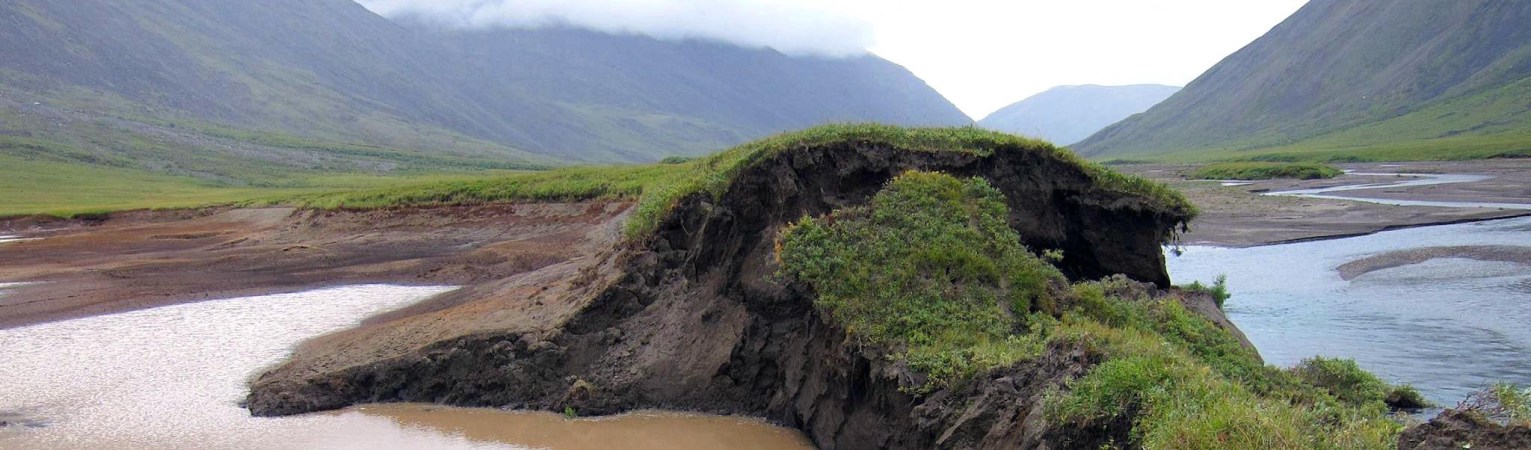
[
  {"x": 1355, "y": 75},
  {"x": 1067, "y": 114},
  {"x": 231, "y": 89}
]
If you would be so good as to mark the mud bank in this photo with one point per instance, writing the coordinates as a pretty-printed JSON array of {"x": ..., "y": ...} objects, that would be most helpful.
[
  {"x": 145, "y": 259},
  {"x": 694, "y": 318},
  {"x": 1239, "y": 216}
]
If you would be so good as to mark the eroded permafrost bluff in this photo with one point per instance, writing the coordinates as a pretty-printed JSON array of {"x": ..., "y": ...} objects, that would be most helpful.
[{"x": 694, "y": 312}]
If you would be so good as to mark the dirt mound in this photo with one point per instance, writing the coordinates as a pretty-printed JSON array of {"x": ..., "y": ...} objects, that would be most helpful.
[
  {"x": 693, "y": 317},
  {"x": 1455, "y": 430}
]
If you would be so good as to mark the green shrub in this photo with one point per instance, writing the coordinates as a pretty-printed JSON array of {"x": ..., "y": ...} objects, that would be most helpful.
[
  {"x": 930, "y": 269},
  {"x": 1405, "y": 397},
  {"x": 929, "y": 273},
  {"x": 1218, "y": 290},
  {"x": 1343, "y": 378},
  {"x": 1262, "y": 170}
]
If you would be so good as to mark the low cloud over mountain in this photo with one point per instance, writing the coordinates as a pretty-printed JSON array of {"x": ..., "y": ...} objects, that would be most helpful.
[{"x": 790, "y": 26}]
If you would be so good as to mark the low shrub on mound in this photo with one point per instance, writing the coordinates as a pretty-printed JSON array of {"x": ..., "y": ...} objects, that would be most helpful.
[
  {"x": 1258, "y": 170},
  {"x": 929, "y": 267},
  {"x": 929, "y": 274}
]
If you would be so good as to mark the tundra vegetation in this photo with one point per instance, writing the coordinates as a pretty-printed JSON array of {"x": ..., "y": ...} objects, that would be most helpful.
[
  {"x": 929, "y": 274},
  {"x": 1264, "y": 170}
]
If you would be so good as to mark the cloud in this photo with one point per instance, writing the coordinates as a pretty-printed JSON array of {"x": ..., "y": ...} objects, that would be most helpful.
[{"x": 789, "y": 26}]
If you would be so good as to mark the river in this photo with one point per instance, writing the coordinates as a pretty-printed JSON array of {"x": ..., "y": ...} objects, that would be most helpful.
[
  {"x": 1405, "y": 180},
  {"x": 1447, "y": 326},
  {"x": 172, "y": 377}
]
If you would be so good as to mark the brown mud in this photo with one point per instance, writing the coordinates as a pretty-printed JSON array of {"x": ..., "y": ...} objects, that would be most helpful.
[
  {"x": 145, "y": 259},
  {"x": 1456, "y": 430},
  {"x": 1238, "y": 216}
]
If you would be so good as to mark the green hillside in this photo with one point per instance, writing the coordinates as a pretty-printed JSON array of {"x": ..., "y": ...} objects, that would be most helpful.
[
  {"x": 1352, "y": 79},
  {"x": 272, "y": 93}
]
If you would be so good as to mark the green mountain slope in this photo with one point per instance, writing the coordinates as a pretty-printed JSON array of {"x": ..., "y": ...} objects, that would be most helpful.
[
  {"x": 1354, "y": 78},
  {"x": 1067, "y": 114},
  {"x": 263, "y": 93}
]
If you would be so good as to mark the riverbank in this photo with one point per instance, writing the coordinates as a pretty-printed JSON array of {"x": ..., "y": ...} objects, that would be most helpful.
[
  {"x": 1241, "y": 216},
  {"x": 137, "y": 260}
]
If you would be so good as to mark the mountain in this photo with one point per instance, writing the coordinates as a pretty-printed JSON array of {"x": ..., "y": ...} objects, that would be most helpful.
[
  {"x": 1341, "y": 78},
  {"x": 247, "y": 92},
  {"x": 1067, "y": 114}
]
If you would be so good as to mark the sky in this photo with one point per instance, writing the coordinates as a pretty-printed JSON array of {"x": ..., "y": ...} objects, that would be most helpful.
[{"x": 980, "y": 54}]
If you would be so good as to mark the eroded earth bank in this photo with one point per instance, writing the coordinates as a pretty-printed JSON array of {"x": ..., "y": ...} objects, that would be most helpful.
[
  {"x": 564, "y": 309},
  {"x": 694, "y": 317}
]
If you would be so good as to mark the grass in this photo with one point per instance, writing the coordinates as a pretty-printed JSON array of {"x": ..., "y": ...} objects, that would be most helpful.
[
  {"x": 929, "y": 274},
  {"x": 1262, "y": 170},
  {"x": 1218, "y": 290},
  {"x": 34, "y": 186},
  {"x": 931, "y": 269},
  {"x": 1444, "y": 148},
  {"x": 658, "y": 188},
  {"x": 1489, "y": 123},
  {"x": 1189, "y": 385}
]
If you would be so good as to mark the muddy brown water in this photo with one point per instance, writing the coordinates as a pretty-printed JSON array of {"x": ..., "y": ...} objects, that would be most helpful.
[{"x": 171, "y": 378}]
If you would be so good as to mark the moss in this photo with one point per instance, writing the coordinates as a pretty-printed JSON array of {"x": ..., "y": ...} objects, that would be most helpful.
[{"x": 1262, "y": 170}]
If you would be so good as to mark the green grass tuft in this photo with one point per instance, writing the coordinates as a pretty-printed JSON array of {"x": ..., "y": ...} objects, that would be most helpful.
[
  {"x": 1264, "y": 170},
  {"x": 931, "y": 269},
  {"x": 1218, "y": 290}
]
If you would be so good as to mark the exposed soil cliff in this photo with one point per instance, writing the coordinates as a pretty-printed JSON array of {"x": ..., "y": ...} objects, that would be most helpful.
[{"x": 694, "y": 318}]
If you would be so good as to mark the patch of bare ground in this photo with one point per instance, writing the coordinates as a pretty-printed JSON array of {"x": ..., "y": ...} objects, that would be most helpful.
[
  {"x": 146, "y": 259},
  {"x": 1238, "y": 216},
  {"x": 1502, "y": 253}
]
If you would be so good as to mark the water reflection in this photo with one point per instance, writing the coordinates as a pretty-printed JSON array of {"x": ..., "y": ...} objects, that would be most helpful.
[{"x": 1447, "y": 325}]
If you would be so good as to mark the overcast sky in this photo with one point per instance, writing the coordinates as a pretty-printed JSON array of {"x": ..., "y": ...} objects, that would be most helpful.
[{"x": 980, "y": 54}]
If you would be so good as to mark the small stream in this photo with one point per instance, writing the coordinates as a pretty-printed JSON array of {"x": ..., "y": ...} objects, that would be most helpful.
[
  {"x": 172, "y": 378},
  {"x": 1446, "y": 325}
]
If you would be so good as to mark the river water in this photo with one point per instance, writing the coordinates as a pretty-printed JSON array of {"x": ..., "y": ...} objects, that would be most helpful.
[
  {"x": 172, "y": 377},
  {"x": 1404, "y": 180},
  {"x": 1448, "y": 325}
]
